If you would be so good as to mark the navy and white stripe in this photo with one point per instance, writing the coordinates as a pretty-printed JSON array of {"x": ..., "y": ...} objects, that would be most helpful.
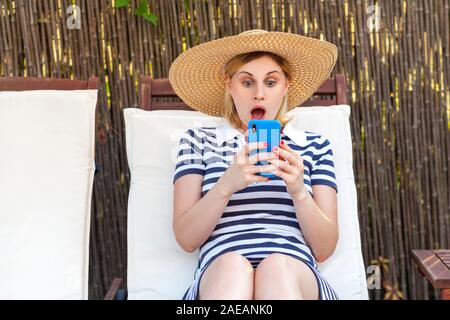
[{"x": 260, "y": 219}]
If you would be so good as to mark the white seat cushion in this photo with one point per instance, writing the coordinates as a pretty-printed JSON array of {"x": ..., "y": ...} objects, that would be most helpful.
[
  {"x": 46, "y": 176},
  {"x": 157, "y": 267}
]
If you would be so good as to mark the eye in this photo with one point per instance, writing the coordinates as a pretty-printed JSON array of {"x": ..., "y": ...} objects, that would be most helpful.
[
  {"x": 247, "y": 83},
  {"x": 271, "y": 83}
]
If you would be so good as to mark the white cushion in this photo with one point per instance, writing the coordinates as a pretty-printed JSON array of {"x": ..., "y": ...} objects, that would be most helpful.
[
  {"x": 46, "y": 177},
  {"x": 157, "y": 267},
  {"x": 345, "y": 268}
]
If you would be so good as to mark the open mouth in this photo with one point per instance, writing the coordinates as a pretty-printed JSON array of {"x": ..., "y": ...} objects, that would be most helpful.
[{"x": 258, "y": 113}]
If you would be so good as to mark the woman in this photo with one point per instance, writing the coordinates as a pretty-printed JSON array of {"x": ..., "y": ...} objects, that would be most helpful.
[{"x": 258, "y": 238}]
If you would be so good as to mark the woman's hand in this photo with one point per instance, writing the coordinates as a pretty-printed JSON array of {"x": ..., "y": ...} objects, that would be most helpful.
[
  {"x": 290, "y": 168},
  {"x": 242, "y": 170}
]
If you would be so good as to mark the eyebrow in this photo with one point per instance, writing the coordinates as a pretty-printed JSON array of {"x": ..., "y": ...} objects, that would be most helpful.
[{"x": 252, "y": 75}]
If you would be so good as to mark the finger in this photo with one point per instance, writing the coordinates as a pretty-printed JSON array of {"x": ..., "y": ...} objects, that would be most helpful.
[
  {"x": 261, "y": 157},
  {"x": 291, "y": 156},
  {"x": 281, "y": 174},
  {"x": 287, "y": 155},
  {"x": 256, "y": 178},
  {"x": 262, "y": 168},
  {"x": 284, "y": 146},
  {"x": 254, "y": 146},
  {"x": 280, "y": 156},
  {"x": 241, "y": 156},
  {"x": 284, "y": 166}
]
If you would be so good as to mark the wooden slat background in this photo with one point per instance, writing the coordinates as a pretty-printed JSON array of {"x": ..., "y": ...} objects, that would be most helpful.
[{"x": 398, "y": 75}]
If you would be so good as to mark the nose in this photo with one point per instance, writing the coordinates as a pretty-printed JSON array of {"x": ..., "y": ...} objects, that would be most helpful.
[{"x": 259, "y": 92}]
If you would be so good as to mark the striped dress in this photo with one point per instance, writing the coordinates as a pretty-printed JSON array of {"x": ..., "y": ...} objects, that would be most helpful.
[{"x": 260, "y": 219}]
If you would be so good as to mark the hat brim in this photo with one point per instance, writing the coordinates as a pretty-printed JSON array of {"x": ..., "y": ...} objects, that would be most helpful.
[{"x": 196, "y": 74}]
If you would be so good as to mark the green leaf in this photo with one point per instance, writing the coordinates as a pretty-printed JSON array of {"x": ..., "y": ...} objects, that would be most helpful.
[
  {"x": 151, "y": 17},
  {"x": 142, "y": 9},
  {"x": 122, "y": 3}
]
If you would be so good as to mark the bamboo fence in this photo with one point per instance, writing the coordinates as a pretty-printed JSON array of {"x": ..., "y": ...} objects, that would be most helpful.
[{"x": 398, "y": 75}]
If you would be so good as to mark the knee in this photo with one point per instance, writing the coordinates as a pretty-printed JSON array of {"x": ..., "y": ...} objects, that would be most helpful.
[
  {"x": 234, "y": 263},
  {"x": 276, "y": 277},
  {"x": 273, "y": 265},
  {"x": 230, "y": 276}
]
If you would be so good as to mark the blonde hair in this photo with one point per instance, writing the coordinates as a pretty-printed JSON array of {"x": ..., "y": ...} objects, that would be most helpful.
[{"x": 238, "y": 61}]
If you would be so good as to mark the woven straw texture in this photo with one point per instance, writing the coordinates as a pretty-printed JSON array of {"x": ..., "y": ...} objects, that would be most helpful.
[{"x": 197, "y": 74}]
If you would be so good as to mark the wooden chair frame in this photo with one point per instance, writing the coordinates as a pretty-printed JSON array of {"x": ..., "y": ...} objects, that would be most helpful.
[
  {"x": 158, "y": 88},
  {"x": 35, "y": 83}
]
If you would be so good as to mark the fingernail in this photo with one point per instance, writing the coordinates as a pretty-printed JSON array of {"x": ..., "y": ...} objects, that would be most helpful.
[
  {"x": 282, "y": 142},
  {"x": 275, "y": 148},
  {"x": 266, "y": 144}
]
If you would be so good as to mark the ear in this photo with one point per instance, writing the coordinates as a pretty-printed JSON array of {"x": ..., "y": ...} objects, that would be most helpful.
[
  {"x": 287, "y": 87},
  {"x": 227, "y": 83}
]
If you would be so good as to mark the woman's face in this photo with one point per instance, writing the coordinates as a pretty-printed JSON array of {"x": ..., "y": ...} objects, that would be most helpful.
[{"x": 258, "y": 86}]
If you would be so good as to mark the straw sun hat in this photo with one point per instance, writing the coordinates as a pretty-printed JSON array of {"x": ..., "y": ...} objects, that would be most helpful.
[{"x": 197, "y": 76}]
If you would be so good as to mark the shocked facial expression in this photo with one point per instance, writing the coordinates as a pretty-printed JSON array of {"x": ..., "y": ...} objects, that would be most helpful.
[{"x": 257, "y": 89}]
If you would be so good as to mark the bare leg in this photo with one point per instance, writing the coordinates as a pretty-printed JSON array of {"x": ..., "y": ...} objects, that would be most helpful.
[
  {"x": 229, "y": 276},
  {"x": 280, "y": 276}
]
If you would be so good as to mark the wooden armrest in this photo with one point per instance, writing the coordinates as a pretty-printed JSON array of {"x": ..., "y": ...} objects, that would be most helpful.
[{"x": 113, "y": 289}]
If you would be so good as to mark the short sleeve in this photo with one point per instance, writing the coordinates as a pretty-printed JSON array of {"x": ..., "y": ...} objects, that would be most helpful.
[
  {"x": 323, "y": 169},
  {"x": 189, "y": 155}
]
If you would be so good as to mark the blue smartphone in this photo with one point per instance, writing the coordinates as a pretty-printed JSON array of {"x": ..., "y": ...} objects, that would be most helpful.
[{"x": 264, "y": 131}]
